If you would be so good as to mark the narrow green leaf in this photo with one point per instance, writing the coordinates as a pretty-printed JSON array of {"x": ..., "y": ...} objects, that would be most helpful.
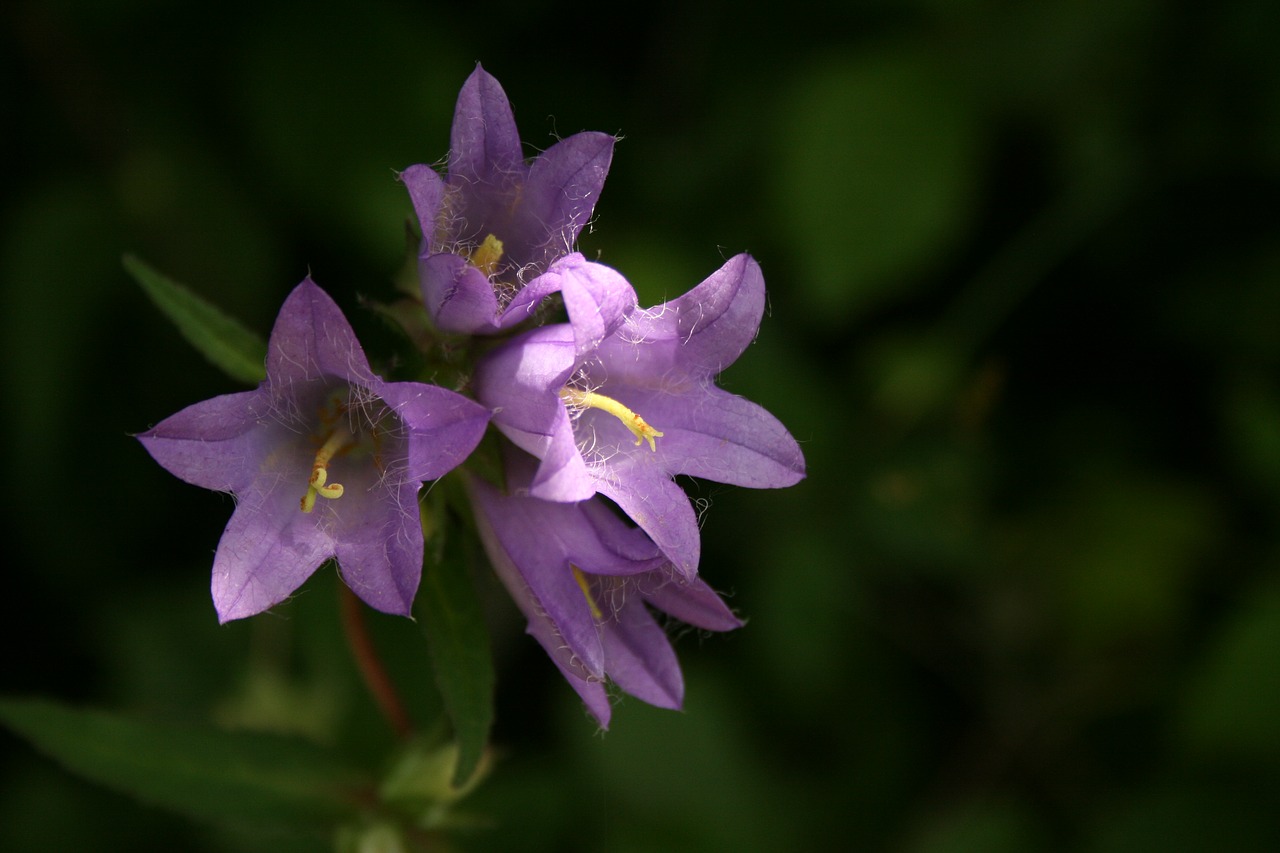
[
  {"x": 451, "y": 616},
  {"x": 245, "y": 779},
  {"x": 231, "y": 347}
]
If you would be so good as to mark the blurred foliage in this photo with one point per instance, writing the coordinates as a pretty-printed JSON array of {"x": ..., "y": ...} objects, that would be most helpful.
[{"x": 1024, "y": 272}]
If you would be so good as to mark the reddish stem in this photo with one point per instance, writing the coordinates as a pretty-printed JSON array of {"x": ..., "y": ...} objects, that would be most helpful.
[{"x": 371, "y": 668}]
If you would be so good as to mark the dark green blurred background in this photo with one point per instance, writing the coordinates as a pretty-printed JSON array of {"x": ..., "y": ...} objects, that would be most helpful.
[{"x": 1024, "y": 272}]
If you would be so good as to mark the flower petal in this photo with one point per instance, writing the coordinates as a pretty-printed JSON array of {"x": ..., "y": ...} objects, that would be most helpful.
[
  {"x": 426, "y": 191},
  {"x": 563, "y": 475},
  {"x": 443, "y": 427},
  {"x": 216, "y": 443},
  {"x": 459, "y": 298},
  {"x": 710, "y": 433},
  {"x": 692, "y": 602},
  {"x": 484, "y": 142},
  {"x": 639, "y": 657},
  {"x": 564, "y": 183},
  {"x": 312, "y": 339},
  {"x": 379, "y": 544},
  {"x": 629, "y": 543},
  {"x": 596, "y": 297},
  {"x": 532, "y": 556},
  {"x": 268, "y": 549},
  {"x": 695, "y": 335},
  {"x": 719, "y": 318},
  {"x": 590, "y": 689},
  {"x": 520, "y": 379},
  {"x": 660, "y": 507}
]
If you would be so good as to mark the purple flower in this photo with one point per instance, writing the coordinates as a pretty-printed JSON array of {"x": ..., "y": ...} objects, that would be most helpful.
[
  {"x": 325, "y": 460},
  {"x": 624, "y": 418},
  {"x": 585, "y": 580},
  {"x": 494, "y": 224}
]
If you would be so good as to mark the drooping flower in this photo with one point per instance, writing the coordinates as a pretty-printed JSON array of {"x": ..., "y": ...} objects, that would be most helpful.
[
  {"x": 494, "y": 224},
  {"x": 626, "y": 417},
  {"x": 325, "y": 460},
  {"x": 585, "y": 580}
]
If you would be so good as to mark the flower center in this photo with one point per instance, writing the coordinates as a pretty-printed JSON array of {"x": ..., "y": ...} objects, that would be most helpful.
[
  {"x": 586, "y": 591},
  {"x": 487, "y": 255},
  {"x": 319, "y": 485},
  {"x": 591, "y": 400}
]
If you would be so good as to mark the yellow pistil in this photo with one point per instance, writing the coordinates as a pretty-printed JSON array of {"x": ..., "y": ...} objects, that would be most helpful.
[
  {"x": 591, "y": 400},
  {"x": 319, "y": 483},
  {"x": 586, "y": 591},
  {"x": 487, "y": 255}
]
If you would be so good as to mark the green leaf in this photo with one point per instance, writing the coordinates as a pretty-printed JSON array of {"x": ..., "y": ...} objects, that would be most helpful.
[
  {"x": 451, "y": 615},
  {"x": 238, "y": 778},
  {"x": 231, "y": 347}
]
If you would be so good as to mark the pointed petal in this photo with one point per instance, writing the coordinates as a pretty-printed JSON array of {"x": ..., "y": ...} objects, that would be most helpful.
[
  {"x": 563, "y": 603},
  {"x": 268, "y": 549},
  {"x": 312, "y": 339},
  {"x": 590, "y": 689},
  {"x": 692, "y": 602},
  {"x": 520, "y": 379},
  {"x": 484, "y": 141},
  {"x": 639, "y": 658},
  {"x": 695, "y": 335},
  {"x": 379, "y": 544},
  {"x": 590, "y": 534},
  {"x": 216, "y": 443},
  {"x": 564, "y": 183},
  {"x": 719, "y": 436},
  {"x": 720, "y": 317},
  {"x": 628, "y": 543},
  {"x": 459, "y": 298},
  {"x": 660, "y": 507},
  {"x": 596, "y": 297},
  {"x": 426, "y": 191},
  {"x": 443, "y": 427},
  {"x": 563, "y": 475},
  {"x": 595, "y": 697},
  {"x": 519, "y": 535}
]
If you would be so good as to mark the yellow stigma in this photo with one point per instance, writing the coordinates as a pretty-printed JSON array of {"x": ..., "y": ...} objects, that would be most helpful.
[
  {"x": 487, "y": 255},
  {"x": 319, "y": 483},
  {"x": 591, "y": 400},
  {"x": 586, "y": 591}
]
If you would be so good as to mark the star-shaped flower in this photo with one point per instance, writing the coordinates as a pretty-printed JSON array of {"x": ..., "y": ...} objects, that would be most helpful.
[
  {"x": 624, "y": 418},
  {"x": 494, "y": 224},
  {"x": 585, "y": 580},
  {"x": 325, "y": 459}
]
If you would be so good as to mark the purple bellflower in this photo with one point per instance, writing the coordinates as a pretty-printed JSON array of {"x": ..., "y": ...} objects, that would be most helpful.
[
  {"x": 494, "y": 224},
  {"x": 585, "y": 580},
  {"x": 325, "y": 460},
  {"x": 624, "y": 418}
]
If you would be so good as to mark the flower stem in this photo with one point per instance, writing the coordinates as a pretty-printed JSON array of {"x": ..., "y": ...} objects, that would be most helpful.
[{"x": 372, "y": 671}]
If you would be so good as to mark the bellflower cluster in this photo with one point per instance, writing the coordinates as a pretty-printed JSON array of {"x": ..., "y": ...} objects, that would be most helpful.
[{"x": 596, "y": 411}]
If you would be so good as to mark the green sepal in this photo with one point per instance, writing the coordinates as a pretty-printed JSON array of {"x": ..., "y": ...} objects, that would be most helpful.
[
  {"x": 406, "y": 278},
  {"x": 229, "y": 346},
  {"x": 235, "y": 778},
  {"x": 449, "y": 611},
  {"x": 423, "y": 783}
]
